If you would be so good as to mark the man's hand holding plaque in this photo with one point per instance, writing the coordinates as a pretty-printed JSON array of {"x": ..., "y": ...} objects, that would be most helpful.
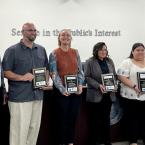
[
  {"x": 40, "y": 77},
  {"x": 109, "y": 82},
  {"x": 71, "y": 83}
]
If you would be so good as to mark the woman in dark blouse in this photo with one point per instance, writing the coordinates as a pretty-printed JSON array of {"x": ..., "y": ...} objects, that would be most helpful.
[{"x": 99, "y": 101}]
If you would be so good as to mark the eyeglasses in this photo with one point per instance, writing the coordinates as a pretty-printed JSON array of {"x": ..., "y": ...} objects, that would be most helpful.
[
  {"x": 31, "y": 30},
  {"x": 103, "y": 50}
]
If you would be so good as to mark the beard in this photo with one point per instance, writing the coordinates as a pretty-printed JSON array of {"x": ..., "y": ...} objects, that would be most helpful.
[{"x": 31, "y": 38}]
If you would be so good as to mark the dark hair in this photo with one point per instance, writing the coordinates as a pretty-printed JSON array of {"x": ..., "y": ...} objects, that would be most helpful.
[
  {"x": 98, "y": 47},
  {"x": 135, "y": 45}
]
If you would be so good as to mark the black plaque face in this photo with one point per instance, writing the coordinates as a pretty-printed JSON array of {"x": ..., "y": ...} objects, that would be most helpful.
[
  {"x": 71, "y": 83},
  {"x": 39, "y": 77},
  {"x": 141, "y": 81},
  {"x": 109, "y": 82}
]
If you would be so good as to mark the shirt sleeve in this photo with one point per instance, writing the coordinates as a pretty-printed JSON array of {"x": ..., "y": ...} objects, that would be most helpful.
[
  {"x": 89, "y": 80},
  {"x": 8, "y": 60},
  {"x": 80, "y": 70},
  {"x": 54, "y": 73},
  {"x": 124, "y": 68}
]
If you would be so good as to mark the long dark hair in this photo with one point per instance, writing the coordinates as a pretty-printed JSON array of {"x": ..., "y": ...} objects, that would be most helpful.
[
  {"x": 135, "y": 45},
  {"x": 98, "y": 47}
]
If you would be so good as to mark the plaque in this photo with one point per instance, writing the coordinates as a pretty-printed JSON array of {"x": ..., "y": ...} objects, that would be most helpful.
[
  {"x": 141, "y": 81},
  {"x": 71, "y": 83},
  {"x": 39, "y": 77},
  {"x": 109, "y": 82}
]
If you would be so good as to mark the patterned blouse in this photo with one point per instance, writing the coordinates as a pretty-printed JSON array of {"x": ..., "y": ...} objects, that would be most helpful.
[{"x": 129, "y": 70}]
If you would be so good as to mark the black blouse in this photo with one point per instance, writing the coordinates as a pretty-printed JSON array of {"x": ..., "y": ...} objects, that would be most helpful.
[{"x": 103, "y": 66}]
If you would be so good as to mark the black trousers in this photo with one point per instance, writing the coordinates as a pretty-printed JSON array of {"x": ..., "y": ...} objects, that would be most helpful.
[
  {"x": 99, "y": 121},
  {"x": 4, "y": 124},
  {"x": 66, "y": 112},
  {"x": 134, "y": 119}
]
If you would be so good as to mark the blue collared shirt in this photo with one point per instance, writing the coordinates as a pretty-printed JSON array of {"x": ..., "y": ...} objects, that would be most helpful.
[{"x": 21, "y": 60}]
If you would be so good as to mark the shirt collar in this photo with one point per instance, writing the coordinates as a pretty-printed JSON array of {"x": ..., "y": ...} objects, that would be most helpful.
[
  {"x": 25, "y": 47},
  {"x": 104, "y": 60}
]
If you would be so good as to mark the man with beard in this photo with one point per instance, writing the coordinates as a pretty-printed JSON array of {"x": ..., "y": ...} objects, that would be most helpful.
[{"x": 25, "y": 101}]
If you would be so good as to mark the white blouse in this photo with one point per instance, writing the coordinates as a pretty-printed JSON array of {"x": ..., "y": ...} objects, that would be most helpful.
[{"x": 129, "y": 69}]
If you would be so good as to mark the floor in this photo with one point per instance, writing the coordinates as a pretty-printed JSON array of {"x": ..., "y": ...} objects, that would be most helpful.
[
  {"x": 120, "y": 143},
  {"x": 126, "y": 143}
]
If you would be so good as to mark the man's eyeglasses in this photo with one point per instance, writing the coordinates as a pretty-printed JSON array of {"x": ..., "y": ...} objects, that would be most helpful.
[{"x": 31, "y": 30}]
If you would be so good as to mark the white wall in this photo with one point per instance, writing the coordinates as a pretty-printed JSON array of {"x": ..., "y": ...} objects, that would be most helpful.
[{"x": 126, "y": 16}]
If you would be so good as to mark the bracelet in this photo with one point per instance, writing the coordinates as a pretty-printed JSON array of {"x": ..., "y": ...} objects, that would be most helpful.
[{"x": 134, "y": 86}]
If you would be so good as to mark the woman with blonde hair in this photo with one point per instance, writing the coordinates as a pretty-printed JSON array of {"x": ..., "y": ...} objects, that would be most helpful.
[{"x": 65, "y": 61}]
